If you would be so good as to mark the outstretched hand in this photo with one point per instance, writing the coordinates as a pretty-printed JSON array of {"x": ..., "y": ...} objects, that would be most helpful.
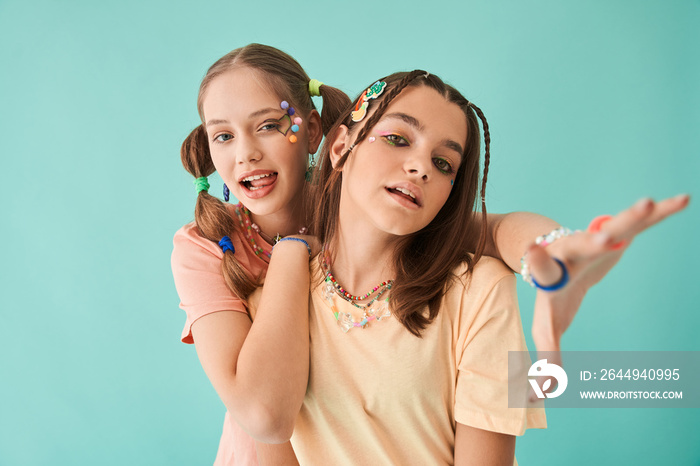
[{"x": 588, "y": 258}]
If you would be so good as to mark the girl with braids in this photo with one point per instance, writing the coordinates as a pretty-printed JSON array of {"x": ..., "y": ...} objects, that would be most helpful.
[
  {"x": 259, "y": 126},
  {"x": 415, "y": 370}
]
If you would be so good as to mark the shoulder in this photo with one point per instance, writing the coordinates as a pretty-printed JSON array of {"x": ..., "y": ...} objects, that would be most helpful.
[
  {"x": 190, "y": 243},
  {"x": 485, "y": 275},
  {"x": 490, "y": 284}
]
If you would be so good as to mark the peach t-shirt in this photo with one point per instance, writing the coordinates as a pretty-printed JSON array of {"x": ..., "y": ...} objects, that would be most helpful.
[
  {"x": 196, "y": 264},
  {"x": 379, "y": 395}
]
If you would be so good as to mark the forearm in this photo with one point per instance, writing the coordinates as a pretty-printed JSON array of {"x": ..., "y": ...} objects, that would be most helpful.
[
  {"x": 477, "y": 447},
  {"x": 273, "y": 364},
  {"x": 509, "y": 235},
  {"x": 276, "y": 455}
]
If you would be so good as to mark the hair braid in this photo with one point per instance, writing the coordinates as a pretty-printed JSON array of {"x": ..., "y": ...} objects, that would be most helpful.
[
  {"x": 379, "y": 112},
  {"x": 487, "y": 147}
]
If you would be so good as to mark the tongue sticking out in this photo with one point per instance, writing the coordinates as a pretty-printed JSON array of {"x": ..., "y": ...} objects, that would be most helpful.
[{"x": 265, "y": 181}]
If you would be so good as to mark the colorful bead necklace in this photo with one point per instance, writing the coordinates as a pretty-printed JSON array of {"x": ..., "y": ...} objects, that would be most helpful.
[
  {"x": 350, "y": 297},
  {"x": 243, "y": 215},
  {"x": 373, "y": 310}
]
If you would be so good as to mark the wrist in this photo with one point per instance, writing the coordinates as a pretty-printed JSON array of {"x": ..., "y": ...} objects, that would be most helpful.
[{"x": 293, "y": 240}]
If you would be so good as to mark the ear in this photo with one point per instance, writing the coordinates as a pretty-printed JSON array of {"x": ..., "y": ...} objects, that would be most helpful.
[
  {"x": 315, "y": 131},
  {"x": 339, "y": 144}
]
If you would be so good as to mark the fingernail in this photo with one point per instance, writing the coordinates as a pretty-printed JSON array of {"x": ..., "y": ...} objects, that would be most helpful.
[{"x": 643, "y": 204}]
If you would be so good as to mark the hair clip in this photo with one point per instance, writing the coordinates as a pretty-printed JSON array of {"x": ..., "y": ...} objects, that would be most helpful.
[
  {"x": 286, "y": 122},
  {"x": 374, "y": 91}
]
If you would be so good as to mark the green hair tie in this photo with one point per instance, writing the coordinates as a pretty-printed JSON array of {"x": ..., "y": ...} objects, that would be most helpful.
[
  {"x": 315, "y": 87},
  {"x": 201, "y": 184}
]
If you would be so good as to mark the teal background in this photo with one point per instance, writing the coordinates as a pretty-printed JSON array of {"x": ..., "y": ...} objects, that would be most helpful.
[{"x": 592, "y": 105}]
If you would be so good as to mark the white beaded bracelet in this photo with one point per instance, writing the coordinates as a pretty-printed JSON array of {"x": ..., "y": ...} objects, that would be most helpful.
[{"x": 543, "y": 240}]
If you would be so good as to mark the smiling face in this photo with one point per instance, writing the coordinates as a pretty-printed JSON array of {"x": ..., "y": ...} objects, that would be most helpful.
[
  {"x": 400, "y": 176},
  {"x": 245, "y": 126}
]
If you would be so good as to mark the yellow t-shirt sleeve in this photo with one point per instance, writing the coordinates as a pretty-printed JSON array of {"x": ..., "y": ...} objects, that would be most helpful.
[{"x": 488, "y": 332}]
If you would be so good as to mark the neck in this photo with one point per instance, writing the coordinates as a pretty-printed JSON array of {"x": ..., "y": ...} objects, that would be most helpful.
[
  {"x": 285, "y": 222},
  {"x": 363, "y": 256}
]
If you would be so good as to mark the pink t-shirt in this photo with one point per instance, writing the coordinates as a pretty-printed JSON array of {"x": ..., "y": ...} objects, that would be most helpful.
[{"x": 196, "y": 264}]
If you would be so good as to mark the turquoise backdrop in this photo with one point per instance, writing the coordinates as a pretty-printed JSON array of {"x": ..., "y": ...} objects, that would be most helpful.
[{"x": 592, "y": 105}]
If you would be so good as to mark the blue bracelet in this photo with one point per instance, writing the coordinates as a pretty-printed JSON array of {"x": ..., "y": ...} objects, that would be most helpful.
[
  {"x": 558, "y": 285},
  {"x": 293, "y": 239}
]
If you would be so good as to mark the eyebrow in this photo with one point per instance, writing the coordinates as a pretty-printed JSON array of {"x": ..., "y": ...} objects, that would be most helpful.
[
  {"x": 255, "y": 114},
  {"x": 412, "y": 121}
]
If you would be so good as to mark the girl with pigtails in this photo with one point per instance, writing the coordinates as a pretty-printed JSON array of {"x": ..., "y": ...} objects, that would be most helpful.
[{"x": 393, "y": 212}]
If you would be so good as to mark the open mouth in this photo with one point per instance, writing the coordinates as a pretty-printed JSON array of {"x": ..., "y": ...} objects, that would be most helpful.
[
  {"x": 405, "y": 194},
  {"x": 255, "y": 182}
]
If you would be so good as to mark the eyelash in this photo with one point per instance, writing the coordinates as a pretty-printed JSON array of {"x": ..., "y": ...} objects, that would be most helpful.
[
  {"x": 394, "y": 140},
  {"x": 389, "y": 138},
  {"x": 445, "y": 171},
  {"x": 266, "y": 127},
  {"x": 218, "y": 140}
]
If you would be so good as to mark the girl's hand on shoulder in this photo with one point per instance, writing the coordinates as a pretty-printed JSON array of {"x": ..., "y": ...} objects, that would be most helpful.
[{"x": 588, "y": 257}]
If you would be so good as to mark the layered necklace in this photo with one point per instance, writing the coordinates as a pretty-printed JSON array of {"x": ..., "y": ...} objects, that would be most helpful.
[
  {"x": 247, "y": 225},
  {"x": 376, "y": 309}
]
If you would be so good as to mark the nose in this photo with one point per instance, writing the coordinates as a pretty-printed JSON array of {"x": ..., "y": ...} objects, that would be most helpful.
[
  {"x": 418, "y": 164},
  {"x": 247, "y": 150}
]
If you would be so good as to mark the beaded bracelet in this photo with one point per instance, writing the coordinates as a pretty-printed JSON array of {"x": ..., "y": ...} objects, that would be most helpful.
[
  {"x": 543, "y": 240},
  {"x": 293, "y": 239}
]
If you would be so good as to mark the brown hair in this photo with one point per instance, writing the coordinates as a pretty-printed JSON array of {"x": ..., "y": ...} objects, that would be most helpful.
[
  {"x": 284, "y": 76},
  {"x": 423, "y": 263}
]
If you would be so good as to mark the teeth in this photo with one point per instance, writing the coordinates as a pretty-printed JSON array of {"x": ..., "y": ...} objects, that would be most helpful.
[
  {"x": 256, "y": 177},
  {"x": 406, "y": 192}
]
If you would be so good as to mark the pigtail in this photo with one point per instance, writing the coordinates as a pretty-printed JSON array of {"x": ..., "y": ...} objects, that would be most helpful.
[
  {"x": 335, "y": 103},
  {"x": 211, "y": 216}
]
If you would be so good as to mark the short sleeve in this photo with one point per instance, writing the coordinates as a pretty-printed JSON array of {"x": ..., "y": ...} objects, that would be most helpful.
[
  {"x": 481, "y": 399},
  {"x": 196, "y": 265}
]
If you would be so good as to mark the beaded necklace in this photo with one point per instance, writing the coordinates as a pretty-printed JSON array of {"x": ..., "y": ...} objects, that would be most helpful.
[
  {"x": 373, "y": 310},
  {"x": 243, "y": 215}
]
